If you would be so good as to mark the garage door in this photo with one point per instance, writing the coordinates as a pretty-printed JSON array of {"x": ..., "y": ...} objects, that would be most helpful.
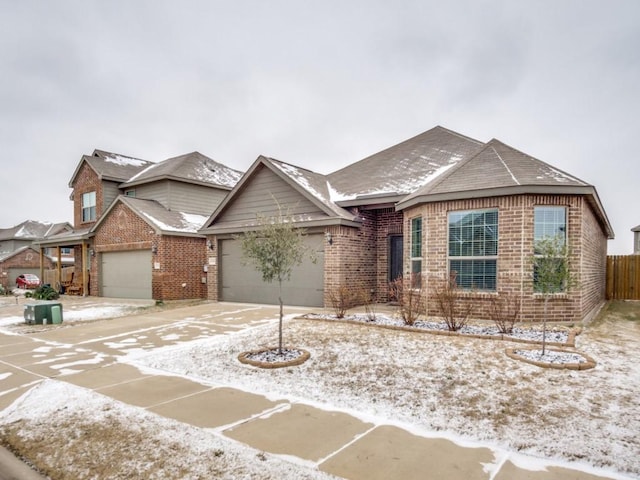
[
  {"x": 243, "y": 283},
  {"x": 14, "y": 272},
  {"x": 126, "y": 274}
]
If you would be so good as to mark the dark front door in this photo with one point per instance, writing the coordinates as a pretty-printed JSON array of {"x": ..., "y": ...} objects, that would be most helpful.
[{"x": 395, "y": 257}]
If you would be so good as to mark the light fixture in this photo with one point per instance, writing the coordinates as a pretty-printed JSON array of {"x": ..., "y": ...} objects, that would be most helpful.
[
  {"x": 154, "y": 249},
  {"x": 329, "y": 238},
  {"x": 92, "y": 252},
  {"x": 209, "y": 244}
]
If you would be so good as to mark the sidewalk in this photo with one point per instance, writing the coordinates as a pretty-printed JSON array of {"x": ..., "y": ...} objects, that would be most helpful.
[{"x": 334, "y": 442}]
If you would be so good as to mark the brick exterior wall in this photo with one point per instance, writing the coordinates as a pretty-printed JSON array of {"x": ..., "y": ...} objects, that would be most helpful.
[
  {"x": 181, "y": 273},
  {"x": 359, "y": 257},
  {"x": 181, "y": 259},
  {"x": 86, "y": 181},
  {"x": 28, "y": 258},
  {"x": 587, "y": 245}
]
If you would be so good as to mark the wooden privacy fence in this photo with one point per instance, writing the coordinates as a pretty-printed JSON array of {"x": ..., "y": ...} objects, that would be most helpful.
[
  {"x": 50, "y": 276},
  {"x": 623, "y": 277}
]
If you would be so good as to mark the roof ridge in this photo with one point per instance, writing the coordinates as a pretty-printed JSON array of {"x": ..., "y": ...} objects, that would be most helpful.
[
  {"x": 531, "y": 157},
  {"x": 505, "y": 165}
]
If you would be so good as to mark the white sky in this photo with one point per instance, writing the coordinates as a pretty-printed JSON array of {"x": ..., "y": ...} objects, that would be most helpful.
[{"x": 316, "y": 84}]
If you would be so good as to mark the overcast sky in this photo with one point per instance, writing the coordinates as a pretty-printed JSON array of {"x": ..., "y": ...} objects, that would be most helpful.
[{"x": 317, "y": 84}]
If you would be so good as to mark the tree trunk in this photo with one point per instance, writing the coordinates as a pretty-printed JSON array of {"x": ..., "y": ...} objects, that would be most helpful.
[
  {"x": 280, "y": 323},
  {"x": 544, "y": 326}
]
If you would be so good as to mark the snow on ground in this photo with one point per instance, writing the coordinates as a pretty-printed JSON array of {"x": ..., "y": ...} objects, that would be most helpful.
[
  {"x": 456, "y": 386},
  {"x": 59, "y": 423},
  {"x": 74, "y": 309}
]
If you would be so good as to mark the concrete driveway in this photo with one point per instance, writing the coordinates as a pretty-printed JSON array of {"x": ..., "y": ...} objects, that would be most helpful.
[{"x": 86, "y": 354}]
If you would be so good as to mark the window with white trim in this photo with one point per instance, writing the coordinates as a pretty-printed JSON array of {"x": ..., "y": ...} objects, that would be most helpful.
[
  {"x": 89, "y": 207},
  {"x": 473, "y": 248},
  {"x": 416, "y": 252}
]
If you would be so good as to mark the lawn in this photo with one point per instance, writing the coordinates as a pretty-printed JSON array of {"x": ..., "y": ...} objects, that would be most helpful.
[{"x": 462, "y": 388}]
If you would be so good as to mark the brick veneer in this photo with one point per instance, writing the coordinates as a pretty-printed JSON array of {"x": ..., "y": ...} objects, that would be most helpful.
[
  {"x": 359, "y": 257},
  {"x": 587, "y": 244},
  {"x": 86, "y": 181},
  {"x": 180, "y": 259}
]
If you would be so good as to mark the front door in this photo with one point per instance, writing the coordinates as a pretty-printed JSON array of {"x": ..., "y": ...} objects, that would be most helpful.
[{"x": 395, "y": 257}]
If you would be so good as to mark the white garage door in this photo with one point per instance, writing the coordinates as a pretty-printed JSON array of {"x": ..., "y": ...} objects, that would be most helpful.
[
  {"x": 126, "y": 274},
  {"x": 243, "y": 283}
]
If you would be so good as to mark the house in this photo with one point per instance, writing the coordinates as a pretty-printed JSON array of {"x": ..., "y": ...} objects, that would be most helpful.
[
  {"x": 17, "y": 256},
  {"x": 636, "y": 240},
  {"x": 436, "y": 206},
  {"x": 136, "y": 224},
  {"x": 22, "y": 260}
]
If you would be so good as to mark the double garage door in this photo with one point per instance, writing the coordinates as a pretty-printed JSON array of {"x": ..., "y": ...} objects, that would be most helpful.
[
  {"x": 126, "y": 274},
  {"x": 243, "y": 283}
]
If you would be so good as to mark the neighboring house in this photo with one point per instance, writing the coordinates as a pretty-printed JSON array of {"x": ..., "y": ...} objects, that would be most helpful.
[
  {"x": 136, "y": 224},
  {"x": 17, "y": 255},
  {"x": 430, "y": 206},
  {"x": 636, "y": 240},
  {"x": 29, "y": 231},
  {"x": 22, "y": 260}
]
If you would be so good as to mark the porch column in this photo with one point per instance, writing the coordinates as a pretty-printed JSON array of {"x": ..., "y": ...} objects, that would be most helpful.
[
  {"x": 59, "y": 269},
  {"x": 85, "y": 283}
]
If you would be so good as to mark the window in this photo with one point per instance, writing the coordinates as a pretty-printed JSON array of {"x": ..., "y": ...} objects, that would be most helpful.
[
  {"x": 89, "y": 207},
  {"x": 130, "y": 193},
  {"x": 473, "y": 248},
  {"x": 549, "y": 222},
  {"x": 66, "y": 250},
  {"x": 549, "y": 236},
  {"x": 416, "y": 252}
]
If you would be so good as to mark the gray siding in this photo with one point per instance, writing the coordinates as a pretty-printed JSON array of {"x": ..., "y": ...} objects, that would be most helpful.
[
  {"x": 110, "y": 191},
  {"x": 258, "y": 197},
  {"x": 182, "y": 197}
]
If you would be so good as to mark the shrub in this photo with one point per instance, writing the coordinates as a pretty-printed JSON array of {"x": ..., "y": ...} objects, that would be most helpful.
[
  {"x": 505, "y": 310},
  {"x": 44, "y": 292},
  {"x": 342, "y": 299},
  {"x": 409, "y": 295},
  {"x": 454, "y": 312},
  {"x": 366, "y": 299}
]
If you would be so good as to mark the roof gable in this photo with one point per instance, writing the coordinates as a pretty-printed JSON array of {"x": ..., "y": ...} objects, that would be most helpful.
[
  {"x": 270, "y": 184},
  {"x": 163, "y": 221}
]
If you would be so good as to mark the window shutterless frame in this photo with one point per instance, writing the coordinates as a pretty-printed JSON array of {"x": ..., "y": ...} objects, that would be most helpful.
[{"x": 473, "y": 248}]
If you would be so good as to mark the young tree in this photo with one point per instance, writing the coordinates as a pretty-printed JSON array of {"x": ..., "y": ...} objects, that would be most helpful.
[
  {"x": 551, "y": 272},
  {"x": 274, "y": 250}
]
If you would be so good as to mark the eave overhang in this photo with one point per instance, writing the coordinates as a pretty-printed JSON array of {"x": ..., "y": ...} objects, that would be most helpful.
[{"x": 586, "y": 190}]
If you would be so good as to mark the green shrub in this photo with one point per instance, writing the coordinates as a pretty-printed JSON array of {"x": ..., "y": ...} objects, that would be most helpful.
[{"x": 44, "y": 292}]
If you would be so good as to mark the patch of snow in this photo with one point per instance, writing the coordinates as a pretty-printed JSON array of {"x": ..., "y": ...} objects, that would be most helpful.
[
  {"x": 191, "y": 223},
  {"x": 217, "y": 174},
  {"x": 168, "y": 448},
  {"x": 125, "y": 161},
  {"x": 272, "y": 355},
  {"x": 551, "y": 356}
]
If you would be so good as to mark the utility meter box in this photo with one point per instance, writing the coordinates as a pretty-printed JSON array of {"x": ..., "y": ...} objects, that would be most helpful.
[{"x": 43, "y": 313}]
